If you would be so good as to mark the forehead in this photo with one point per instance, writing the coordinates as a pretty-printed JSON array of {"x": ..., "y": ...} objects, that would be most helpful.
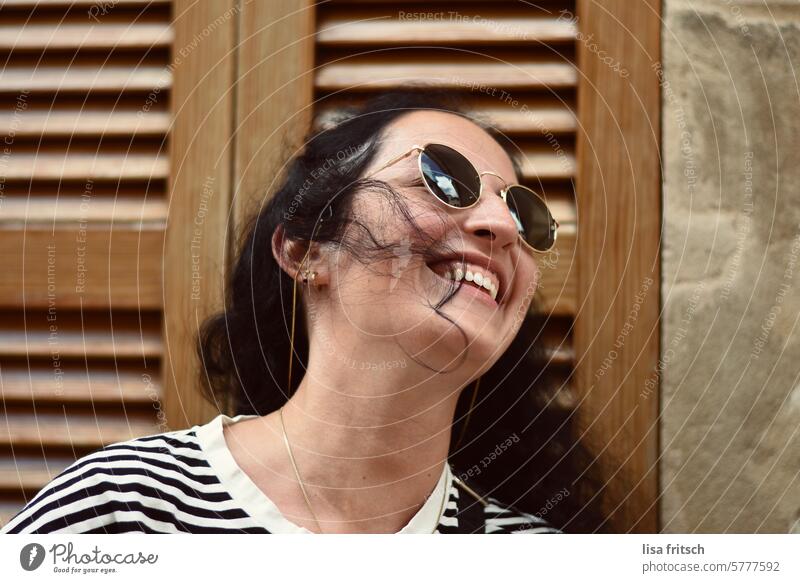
[{"x": 422, "y": 127}]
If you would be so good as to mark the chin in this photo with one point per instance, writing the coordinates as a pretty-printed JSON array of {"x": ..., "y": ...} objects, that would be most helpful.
[{"x": 465, "y": 344}]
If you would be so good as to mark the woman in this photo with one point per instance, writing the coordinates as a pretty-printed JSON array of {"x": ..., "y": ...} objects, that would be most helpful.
[{"x": 392, "y": 269}]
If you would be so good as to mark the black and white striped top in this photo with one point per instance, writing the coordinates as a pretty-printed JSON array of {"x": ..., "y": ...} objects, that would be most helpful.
[{"x": 188, "y": 481}]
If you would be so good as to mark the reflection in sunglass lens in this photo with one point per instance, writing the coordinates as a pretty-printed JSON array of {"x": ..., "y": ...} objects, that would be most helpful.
[
  {"x": 532, "y": 216},
  {"x": 450, "y": 176}
]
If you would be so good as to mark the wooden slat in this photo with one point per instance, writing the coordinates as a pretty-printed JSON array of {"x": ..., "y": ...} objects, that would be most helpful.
[
  {"x": 561, "y": 394},
  {"x": 559, "y": 281},
  {"x": 52, "y": 210},
  {"x": 66, "y": 36},
  {"x": 122, "y": 266},
  {"x": 78, "y": 3},
  {"x": 545, "y": 162},
  {"x": 30, "y": 473},
  {"x": 9, "y": 507},
  {"x": 84, "y": 122},
  {"x": 78, "y": 430},
  {"x": 100, "y": 384},
  {"x": 560, "y": 199},
  {"x": 371, "y": 72},
  {"x": 559, "y": 354},
  {"x": 100, "y": 165},
  {"x": 134, "y": 336},
  {"x": 533, "y": 116},
  {"x": 83, "y": 79},
  {"x": 349, "y": 27}
]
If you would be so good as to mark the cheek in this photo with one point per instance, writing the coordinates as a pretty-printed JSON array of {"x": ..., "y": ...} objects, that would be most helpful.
[
  {"x": 432, "y": 218},
  {"x": 386, "y": 296}
]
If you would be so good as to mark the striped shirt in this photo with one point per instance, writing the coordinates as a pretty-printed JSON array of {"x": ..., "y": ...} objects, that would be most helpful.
[{"x": 188, "y": 481}]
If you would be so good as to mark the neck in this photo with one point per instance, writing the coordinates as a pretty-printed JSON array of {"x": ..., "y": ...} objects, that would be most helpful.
[{"x": 370, "y": 438}]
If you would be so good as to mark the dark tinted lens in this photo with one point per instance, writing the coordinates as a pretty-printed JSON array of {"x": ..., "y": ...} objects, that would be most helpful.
[
  {"x": 450, "y": 176},
  {"x": 533, "y": 218}
]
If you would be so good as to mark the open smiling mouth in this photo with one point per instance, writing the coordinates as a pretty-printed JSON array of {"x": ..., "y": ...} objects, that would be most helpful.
[{"x": 472, "y": 276}]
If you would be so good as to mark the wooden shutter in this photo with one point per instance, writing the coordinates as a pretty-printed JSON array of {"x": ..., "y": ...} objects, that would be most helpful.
[{"x": 85, "y": 117}]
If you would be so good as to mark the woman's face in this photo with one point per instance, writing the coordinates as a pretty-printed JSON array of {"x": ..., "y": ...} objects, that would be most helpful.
[{"x": 388, "y": 302}]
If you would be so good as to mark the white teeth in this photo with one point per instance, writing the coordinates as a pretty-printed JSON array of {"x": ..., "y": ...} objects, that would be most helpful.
[{"x": 482, "y": 280}]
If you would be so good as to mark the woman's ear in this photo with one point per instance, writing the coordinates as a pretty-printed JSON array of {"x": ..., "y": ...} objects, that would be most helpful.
[{"x": 289, "y": 253}]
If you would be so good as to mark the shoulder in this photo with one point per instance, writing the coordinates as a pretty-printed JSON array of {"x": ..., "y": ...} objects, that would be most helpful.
[{"x": 140, "y": 484}]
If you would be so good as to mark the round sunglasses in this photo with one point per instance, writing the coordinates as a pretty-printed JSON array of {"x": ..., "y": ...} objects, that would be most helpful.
[{"x": 450, "y": 177}]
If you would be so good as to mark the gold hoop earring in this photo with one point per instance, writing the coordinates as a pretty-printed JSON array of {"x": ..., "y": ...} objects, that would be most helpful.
[{"x": 469, "y": 412}]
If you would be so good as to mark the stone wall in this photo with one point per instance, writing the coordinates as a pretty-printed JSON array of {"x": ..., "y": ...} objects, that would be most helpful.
[{"x": 730, "y": 432}]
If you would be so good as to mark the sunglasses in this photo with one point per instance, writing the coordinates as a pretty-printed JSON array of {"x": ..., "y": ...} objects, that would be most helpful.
[{"x": 454, "y": 181}]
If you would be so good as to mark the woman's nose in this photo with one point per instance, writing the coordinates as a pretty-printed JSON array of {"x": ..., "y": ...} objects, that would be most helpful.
[{"x": 491, "y": 220}]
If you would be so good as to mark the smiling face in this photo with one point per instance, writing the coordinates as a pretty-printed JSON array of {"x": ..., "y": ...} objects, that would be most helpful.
[{"x": 474, "y": 255}]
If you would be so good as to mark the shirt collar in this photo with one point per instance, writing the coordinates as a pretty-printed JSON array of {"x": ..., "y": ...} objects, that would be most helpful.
[{"x": 258, "y": 505}]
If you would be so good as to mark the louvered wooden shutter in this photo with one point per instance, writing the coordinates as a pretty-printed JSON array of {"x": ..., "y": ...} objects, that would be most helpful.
[
  {"x": 522, "y": 56},
  {"x": 83, "y": 176}
]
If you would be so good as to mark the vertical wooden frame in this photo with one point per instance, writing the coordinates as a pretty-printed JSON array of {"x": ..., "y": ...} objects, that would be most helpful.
[
  {"x": 274, "y": 99},
  {"x": 619, "y": 224},
  {"x": 243, "y": 93},
  {"x": 201, "y": 154}
]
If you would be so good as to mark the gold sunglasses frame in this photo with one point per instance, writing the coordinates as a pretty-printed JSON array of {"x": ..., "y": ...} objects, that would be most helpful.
[{"x": 503, "y": 192}]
